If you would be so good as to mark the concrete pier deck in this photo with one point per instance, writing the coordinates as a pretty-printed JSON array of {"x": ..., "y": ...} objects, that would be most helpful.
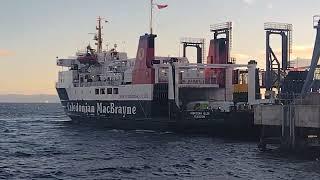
[{"x": 296, "y": 125}]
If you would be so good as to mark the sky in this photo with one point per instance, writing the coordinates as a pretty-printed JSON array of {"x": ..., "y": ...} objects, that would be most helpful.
[{"x": 34, "y": 32}]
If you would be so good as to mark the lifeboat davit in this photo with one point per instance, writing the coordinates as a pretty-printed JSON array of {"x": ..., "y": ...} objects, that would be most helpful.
[{"x": 89, "y": 57}]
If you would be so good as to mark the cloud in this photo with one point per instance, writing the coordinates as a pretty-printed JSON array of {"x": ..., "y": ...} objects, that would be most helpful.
[
  {"x": 298, "y": 51},
  {"x": 302, "y": 51},
  {"x": 240, "y": 56},
  {"x": 270, "y": 6},
  {"x": 248, "y": 2},
  {"x": 302, "y": 47},
  {"x": 6, "y": 53}
]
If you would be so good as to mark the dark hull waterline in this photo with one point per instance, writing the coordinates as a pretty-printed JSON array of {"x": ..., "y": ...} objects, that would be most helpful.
[{"x": 139, "y": 116}]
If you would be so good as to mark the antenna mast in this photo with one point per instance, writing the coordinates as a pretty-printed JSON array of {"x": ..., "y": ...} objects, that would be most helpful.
[
  {"x": 151, "y": 16},
  {"x": 99, "y": 36}
]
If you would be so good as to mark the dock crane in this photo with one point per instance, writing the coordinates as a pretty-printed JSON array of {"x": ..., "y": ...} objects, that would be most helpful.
[{"x": 315, "y": 58}]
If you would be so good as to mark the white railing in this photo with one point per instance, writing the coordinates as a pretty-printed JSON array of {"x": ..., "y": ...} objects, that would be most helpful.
[{"x": 198, "y": 81}]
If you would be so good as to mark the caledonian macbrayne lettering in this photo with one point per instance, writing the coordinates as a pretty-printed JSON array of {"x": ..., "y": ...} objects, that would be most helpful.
[{"x": 101, "y": 108}]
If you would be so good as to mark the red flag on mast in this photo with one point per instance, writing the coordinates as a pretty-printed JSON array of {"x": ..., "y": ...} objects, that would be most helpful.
[{"x": 161, "y": 6}]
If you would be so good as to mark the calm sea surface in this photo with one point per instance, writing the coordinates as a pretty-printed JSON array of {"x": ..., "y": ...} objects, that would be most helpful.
[{"x": 37, "y": 141}]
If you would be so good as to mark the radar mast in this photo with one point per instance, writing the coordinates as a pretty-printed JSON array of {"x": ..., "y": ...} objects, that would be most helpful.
[{"x": 98, "y": 35}]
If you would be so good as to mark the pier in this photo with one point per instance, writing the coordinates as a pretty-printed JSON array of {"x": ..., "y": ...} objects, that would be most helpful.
[
  {"x": 291, "y": 120},
  {"x": 293, "y": 126}
]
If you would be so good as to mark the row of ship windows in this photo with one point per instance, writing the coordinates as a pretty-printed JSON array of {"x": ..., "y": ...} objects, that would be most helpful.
[
  {"x": 103, "y": 91},
  {"x": 109, "y": 91}
]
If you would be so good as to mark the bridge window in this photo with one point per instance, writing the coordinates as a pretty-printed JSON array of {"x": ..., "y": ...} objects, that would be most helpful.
[
  {"x": 97, "y": 91},
  {"x": 115, "y": 91},
  {"x": 102, "y": 91},
  {"x": 109, "y": 90}
]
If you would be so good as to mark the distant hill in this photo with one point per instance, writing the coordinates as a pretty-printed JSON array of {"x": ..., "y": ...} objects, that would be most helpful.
[{"x": 19, "y": 98}]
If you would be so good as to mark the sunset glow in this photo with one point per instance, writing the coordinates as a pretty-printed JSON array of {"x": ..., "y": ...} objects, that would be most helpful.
[{"x": 35, "y": 32}]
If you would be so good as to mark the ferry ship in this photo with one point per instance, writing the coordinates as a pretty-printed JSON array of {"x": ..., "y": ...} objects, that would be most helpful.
[{"x": 160, "y": 93}]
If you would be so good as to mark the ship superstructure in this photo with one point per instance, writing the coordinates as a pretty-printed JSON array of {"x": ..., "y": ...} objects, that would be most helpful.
[{"x": 153, "y": 92}]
